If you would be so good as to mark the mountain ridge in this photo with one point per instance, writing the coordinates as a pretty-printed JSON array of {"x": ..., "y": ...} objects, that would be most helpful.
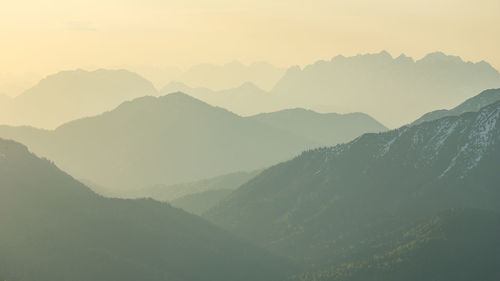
[
  {"x": 408, "y": 87},
  {"x": 327, "y": 198},
  {"x": 74, "y": 94},
  {"x": 62, "y": 230}
]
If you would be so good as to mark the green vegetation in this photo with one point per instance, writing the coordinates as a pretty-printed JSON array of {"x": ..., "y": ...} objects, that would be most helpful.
[
  {"x": 341, "y": 205},
  {"x": 54, "y": 228},
  {"x": 457, "y": 245}
]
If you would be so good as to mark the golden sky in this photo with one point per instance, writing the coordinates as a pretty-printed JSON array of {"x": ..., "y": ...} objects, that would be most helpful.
[{"x": 45, "y": 36}]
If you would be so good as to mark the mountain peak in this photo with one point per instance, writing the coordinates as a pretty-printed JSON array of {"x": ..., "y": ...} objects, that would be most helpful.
[
  {"x": 249, "y": 86},
  {"x": 440, "y": 57}
]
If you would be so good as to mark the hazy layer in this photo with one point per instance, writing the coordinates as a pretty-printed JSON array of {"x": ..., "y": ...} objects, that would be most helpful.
[{"x": 48, "y": 36}]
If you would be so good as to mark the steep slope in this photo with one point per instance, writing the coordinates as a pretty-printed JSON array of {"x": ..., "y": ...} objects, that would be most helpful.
[
  {"x": 456, "y": 245},
  {"x": 54, "y": 228},
  {"x": 327, "y": 129},
  {"x": 316, "y": 205},
  {"x": 167, "y": 140},
  {"x": 395, "y": 91},
  {"x": 473, "y": 104},
  {"x": 69, "y": 95}
]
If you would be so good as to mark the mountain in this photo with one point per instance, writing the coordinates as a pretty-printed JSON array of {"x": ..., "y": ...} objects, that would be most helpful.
[
  {"x": 55, "y": 228},
  {"x": 170, "y": 193},
  {"x": 13, "y": 84},
  {"x": 323, "y": 128},
  {"x": 199, "y": 203},
  {"x": 168, "y": 140},
  {"x": 473, "y": 104},
  {"x": 460, "y": 244},
  {"x": 315, "y": 207},
  {"x": 246, "y": 99},
  {"x": 231, "y": 75},
  {"x": 69, "y": 95},
  {"x": 327, "y": 129},
  {"x": 395, "y": 91}
]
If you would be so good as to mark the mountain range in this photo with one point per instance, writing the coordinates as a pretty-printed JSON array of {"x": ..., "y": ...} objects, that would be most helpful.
[
  {"x": 246, "y": 99},
  {"x": 70, "y": 95},
  {"x": 55, "y": 228},
  {"x": 416, "y": 203},
  {"x": 231, "y": 75},
  {"x": 169, "y": 140},
  {"x": 169, "y": 193},
  {"x": 395, "y": 91},
  {"x": 376, "y": 84},
  {"x": 362, "y": 206}
]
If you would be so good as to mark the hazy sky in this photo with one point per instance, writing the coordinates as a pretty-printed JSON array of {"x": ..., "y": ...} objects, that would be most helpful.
[{"x": 45, "y": 36}]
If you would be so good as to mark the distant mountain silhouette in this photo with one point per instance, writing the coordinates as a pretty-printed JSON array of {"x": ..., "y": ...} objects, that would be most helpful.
[
  {"x": 327, "y": 128},
  {"x": 231, "y": 75},
  {"x": 199, "y": 203},
  {"x": 169, "y": 193},
  {"x": 333, "y": 206},
  {"x": 246, "y": 99},
  {"x": 393, "y": 90},
  {"x": 171, "y": 139},
  {"x": 166, "y": 140},
  {"x": 70, "y": 95},
  {"x": 55, "y": 228},
  {"x": 473, "y": 104}
]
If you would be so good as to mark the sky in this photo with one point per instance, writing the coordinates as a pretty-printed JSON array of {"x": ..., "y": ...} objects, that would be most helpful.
[{"x": 46, "y": 36}]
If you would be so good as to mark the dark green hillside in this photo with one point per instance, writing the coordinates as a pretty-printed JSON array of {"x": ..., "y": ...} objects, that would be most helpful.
[
  {"x": 457, "y": 245},
  {"x": 54, "y": 228},
  {"x": 316, "y": 206}
]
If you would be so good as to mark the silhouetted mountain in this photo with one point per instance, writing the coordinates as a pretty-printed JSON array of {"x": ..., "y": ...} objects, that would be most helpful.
[
  {"x": 247, "y": 99},
  {"x": 170, "y": 193},
  {"x": 69, "y": 95},
  {"x": 327, "y": 129},
  {"x": 316, "y": 206},
  {"x": 199, "y": 203},
  {"x": 231, "y": 75},
  {"x": 168, "y": 140},
  {"x": 473, "y": 104},
  {"x": 457, "y": 245},
  {"x": 395, "y": 91},
  {"x": 54, "y": 228}
]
